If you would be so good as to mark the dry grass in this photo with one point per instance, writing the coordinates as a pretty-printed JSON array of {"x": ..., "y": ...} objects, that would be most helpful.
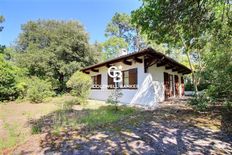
[
  {"x": 14, "y": 117},
  {"x": 184, "y": 113}
]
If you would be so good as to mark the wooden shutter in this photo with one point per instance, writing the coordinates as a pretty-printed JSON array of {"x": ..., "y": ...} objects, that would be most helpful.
[
  {"x": 133, "y": 76},
  {"x": 110, "y": 82},
  {"x": 99, "y": 79},
  {"x": 177, "y": 85},
  {"x": 166, "y": 85}
]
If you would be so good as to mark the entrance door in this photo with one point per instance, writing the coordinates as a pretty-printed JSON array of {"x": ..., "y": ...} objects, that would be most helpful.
[
  {"x": 182, "y": 86},
  {"x": 177, "y": 85},
  {"x": 171, "y": 85},
  {"x": 166, "y": 85}
]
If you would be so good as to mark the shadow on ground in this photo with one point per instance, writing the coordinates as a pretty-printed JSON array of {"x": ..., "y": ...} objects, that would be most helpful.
[{"x": 166, "y": 130}]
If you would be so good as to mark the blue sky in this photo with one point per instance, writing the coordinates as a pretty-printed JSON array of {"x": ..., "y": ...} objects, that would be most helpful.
[{"x": 93, "y": 14}]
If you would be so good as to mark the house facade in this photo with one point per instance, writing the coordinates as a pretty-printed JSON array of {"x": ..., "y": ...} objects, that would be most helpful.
[{"x": 147, "y": 78}]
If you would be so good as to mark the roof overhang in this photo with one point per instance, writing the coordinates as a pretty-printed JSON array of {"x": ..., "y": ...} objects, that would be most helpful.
[{"x": 158, "y": 58}]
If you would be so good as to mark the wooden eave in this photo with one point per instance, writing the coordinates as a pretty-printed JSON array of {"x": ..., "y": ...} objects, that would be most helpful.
[{"x": 150, "y": 54}]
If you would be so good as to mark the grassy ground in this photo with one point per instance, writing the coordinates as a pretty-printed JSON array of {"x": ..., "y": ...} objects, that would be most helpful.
[
  {"x": 19, "y": 120},
  {"x": 14, "y": 127}
]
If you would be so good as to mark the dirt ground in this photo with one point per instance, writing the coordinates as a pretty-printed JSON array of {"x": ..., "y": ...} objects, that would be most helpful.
[
  {"x": 172, "y": 128},
  {"x": 14, "y": 127}
]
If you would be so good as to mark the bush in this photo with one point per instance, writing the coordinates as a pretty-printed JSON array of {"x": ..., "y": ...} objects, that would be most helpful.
[
  {"x": 188, "y": 86},
  {"x": 80, "y": 85},
  {"x": 38, "y": 90},
  {"x": 10, "y": 85},
  {"x": 200, "y": 102},
  {"x": 114, "y": 98},
  {"x": 69, "y": 103}
]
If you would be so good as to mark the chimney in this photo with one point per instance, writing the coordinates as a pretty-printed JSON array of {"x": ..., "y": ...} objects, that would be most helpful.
[{"x": 123, "y": 52}]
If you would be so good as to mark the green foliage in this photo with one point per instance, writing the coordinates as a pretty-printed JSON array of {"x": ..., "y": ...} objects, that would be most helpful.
[
  {"x": 54, "y": 50},
  {"x": 114, "y": 98},
  {"x": 90, "y": 115},
  {"x": 70, "y": 103},
  {"x": 105, "y": 115},
  {"x": 202, "y": 30},
  {"x": 38, "y": 89},
  {"x": 120, "y": 26},
  {"x": 80, "y": 84},
  {"x": 36, "y": 129},
  {"x": 200, "y": 102},
  {"x": 190, "y": 87},
  {"x": 182, "y": 24},
  {"x": 112, "y": 47},
  {"x": 174, "y": 21},
  {"x": 2, "y": 47},
  {"x": 2, "y": 19},
  {"x": 13, "y": 136},
  {"x": 228, "y": 106},
  {"x": 217, "y": 57},
  {"x": 10, "y": 80}
]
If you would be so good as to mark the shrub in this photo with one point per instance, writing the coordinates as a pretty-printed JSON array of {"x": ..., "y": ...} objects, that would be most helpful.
[
  {"x": 114, "y": 98},
  {"x": 69, "y": 103},
  {"x": 200, "y": 102},
  {"x": 38, "y": 89},
  {"x": 10, "y": 85},
  {"x": 80, "y": 84}
]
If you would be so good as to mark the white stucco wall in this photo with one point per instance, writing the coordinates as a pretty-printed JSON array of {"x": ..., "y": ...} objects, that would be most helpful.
[
  {"x": 158, "y": 81},
  {"x": 150, "y": 85}
]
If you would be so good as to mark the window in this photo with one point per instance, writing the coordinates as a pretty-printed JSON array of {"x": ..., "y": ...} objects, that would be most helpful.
[
  {"x": 129, "y": 80},
  {"x": 126, "y": 78},
  {"x": 96, "y": 82}
]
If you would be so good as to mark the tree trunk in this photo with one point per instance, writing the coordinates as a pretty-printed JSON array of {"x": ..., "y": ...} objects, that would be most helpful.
[{"x": 193, "y": 74}]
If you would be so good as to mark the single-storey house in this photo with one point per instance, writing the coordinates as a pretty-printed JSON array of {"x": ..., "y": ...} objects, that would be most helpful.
[{"x": 147, "y": 78}]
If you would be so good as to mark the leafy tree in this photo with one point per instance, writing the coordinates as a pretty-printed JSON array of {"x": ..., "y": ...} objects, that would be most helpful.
[
  {"x": 10, "y": 80},
  {"x": 2, "y": 19},
  {"x": 120, "y": 26},
  {"x": 97, "y": 50},
  {"x": 54, "y": 50},
  {"x": 112, "y": 47},
  {"x": 178, "y": 23},
  {"x": 218, "y": 66},
  {"x": 80, "y": 84},
  {"x": 10, "y": 85}
]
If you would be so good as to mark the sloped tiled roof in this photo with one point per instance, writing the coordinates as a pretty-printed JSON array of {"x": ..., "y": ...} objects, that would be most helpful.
[{"x": 149, "y": 51}]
